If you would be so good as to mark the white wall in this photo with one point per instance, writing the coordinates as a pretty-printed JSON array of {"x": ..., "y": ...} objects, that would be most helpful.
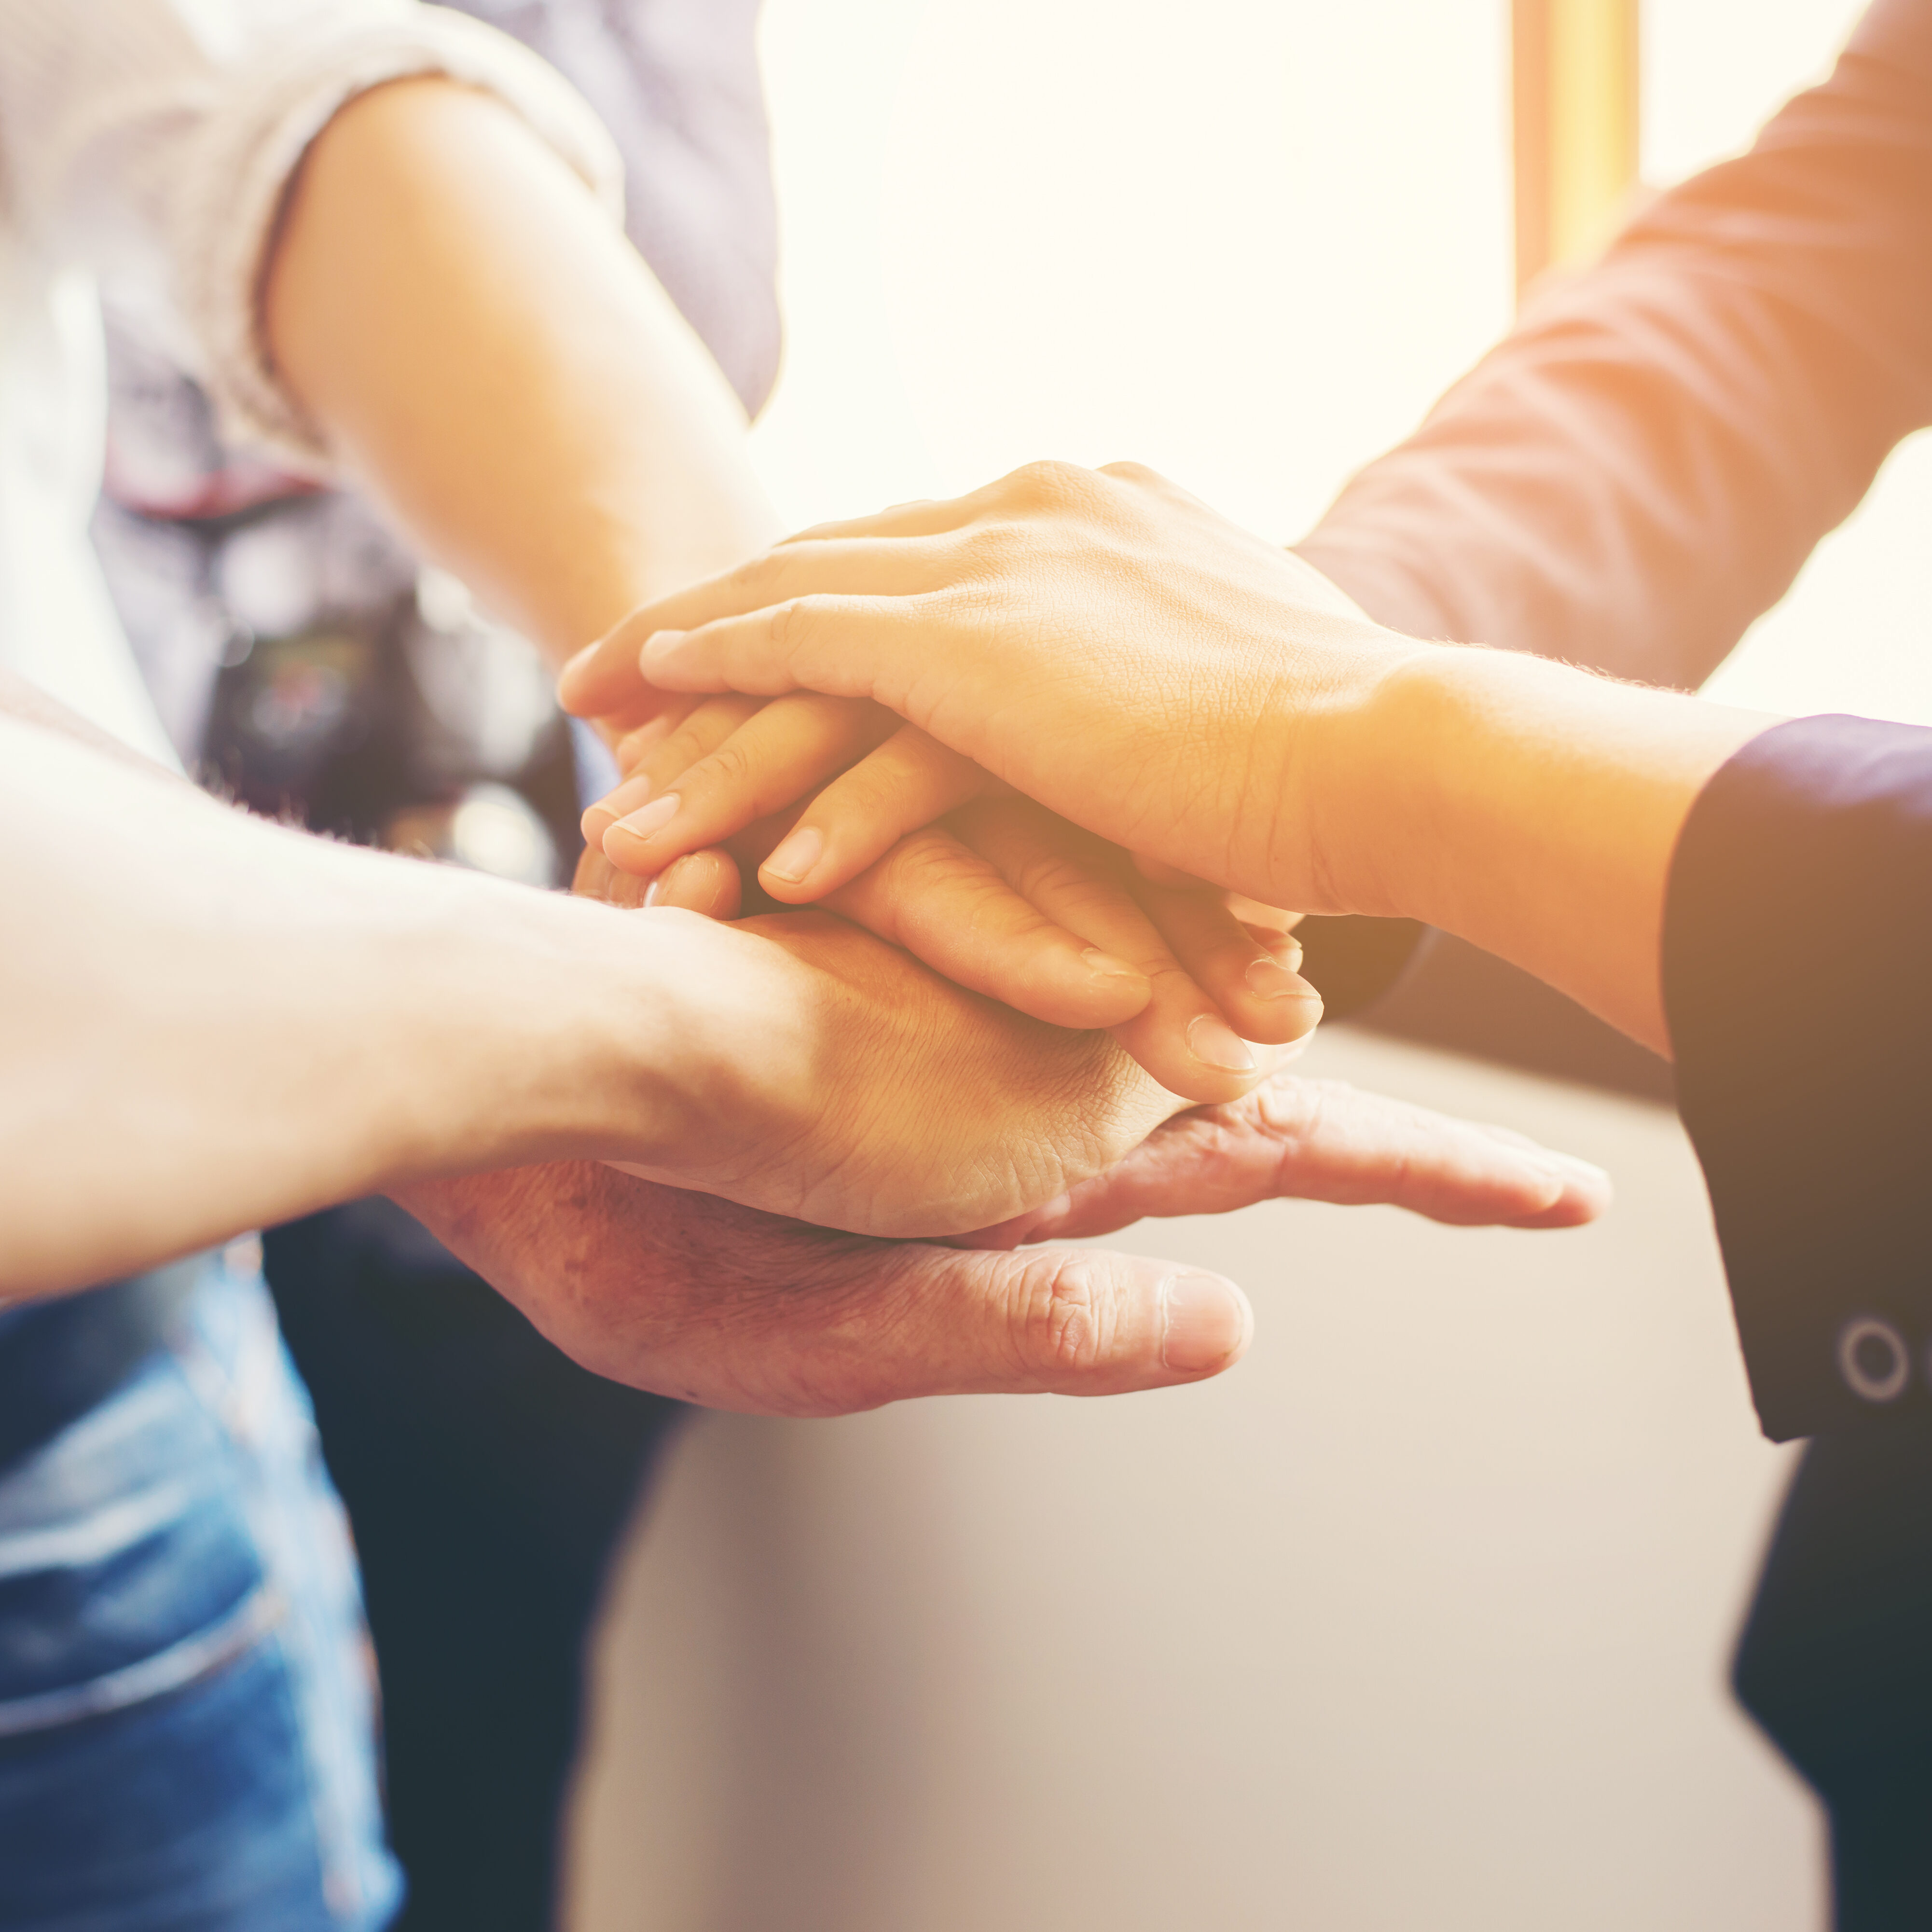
[{"x": 1417, "y": 1622}]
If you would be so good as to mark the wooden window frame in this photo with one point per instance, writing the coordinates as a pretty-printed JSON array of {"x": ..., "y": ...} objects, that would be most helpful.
[{"x": 1575, "y": 98}]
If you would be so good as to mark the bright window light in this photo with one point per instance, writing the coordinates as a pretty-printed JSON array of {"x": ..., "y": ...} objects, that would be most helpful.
[{"x": 1246, "y": 241}]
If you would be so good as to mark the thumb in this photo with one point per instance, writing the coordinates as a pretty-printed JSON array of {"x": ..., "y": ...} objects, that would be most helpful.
[{"x": 922, "y": 1320}]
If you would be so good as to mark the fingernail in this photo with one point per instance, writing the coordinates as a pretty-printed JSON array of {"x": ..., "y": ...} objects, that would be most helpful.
[
  {"x": 598, "y": 819},
  {"x": 1104, "y": 966},
  {"x": 1204, "y": 1323},
  {"x": 649, "y": 819},
  {"x": 795, "y": 854},
  {"x": 1266, "y": 980},
  {"x": 659, "y": 645},
  {"x": 658, "y": 890},
  {"x": 1214, "y": 1043}
]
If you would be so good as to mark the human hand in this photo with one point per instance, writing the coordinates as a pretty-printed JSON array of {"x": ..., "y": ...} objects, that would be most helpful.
[
  {"x": 698, "y": 773},
  {"x": 1009, "y": 902},
  {"x": 809, "y": 1070},
  {"x": 697, "y": 1298},
  {"x": 1101, "y": 640}
]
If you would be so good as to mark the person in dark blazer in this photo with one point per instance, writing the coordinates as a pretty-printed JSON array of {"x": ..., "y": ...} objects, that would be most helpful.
[{"x": 1632, "y": 477}]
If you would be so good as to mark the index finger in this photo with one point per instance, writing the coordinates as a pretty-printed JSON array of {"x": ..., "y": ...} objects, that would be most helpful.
[{"x": 605, "y": 677}]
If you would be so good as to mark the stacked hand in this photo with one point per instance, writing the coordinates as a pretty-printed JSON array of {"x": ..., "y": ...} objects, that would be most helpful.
[
  {"x": 720, "y": 1304},
  {"x": 878, "y": 1095},
  {"x": 930, "y": 1109},
  {"x": 996, "y": 893},
  {"x": 1111, "y": 647},
  {"x": 1101, "y": 641}
]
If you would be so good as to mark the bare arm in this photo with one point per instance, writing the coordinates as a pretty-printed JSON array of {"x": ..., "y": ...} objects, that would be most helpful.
[
  {"x": 252, "y": 1023},
  {"x": 491, "y": 357},
  {"x": 1640, "y": 468}
]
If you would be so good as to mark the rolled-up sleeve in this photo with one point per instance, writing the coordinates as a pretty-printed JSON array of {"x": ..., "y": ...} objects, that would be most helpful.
[
  {"x": 154, "y": 141},
  {"x": 1804, "y": 1076}
]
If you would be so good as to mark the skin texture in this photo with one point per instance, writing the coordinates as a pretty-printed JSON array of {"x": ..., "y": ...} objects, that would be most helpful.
[
  {"x": 721, "y": 1305},
  {"x": 1105, "y": 643}
]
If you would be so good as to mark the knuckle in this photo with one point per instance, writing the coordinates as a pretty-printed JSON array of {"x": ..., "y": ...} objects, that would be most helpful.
[
  {"x": 1049, "y": 483},
  {"x": 940, "y": 892},
  {"x": 680, "y": 750},
  {"x": 994, "y": 549},
  {"x": 760, "y": 574},
  {"x": 1044, "y": 876},
  {"x": 1293, "y": 1111},
  {"x": 703, "y": 734},
  {"x": 1064, "y": 1320},
  {"x": 728, "y": 769},
  {"x": 932, "y": 862},
  {"x": 792, "y": 621}
]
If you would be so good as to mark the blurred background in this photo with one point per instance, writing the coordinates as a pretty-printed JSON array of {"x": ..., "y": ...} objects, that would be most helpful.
[{"x": 1421, "y": 1618}]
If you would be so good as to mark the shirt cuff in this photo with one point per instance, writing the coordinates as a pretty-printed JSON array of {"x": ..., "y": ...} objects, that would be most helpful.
[
  {"x": 1797, "y": 954},
  {"x": 247, "y": 153}
]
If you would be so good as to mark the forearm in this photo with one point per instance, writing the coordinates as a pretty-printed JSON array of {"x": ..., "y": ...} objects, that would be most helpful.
[
  {"x": 490, "y": 356},
  {"x": 1641, "y": 467},
  {"x": 1531, "y": 809},
  {"x": 244, "y": 1023}
]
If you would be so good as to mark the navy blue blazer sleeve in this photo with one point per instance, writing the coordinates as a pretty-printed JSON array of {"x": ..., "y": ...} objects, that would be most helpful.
[{"x": 1805, "y": 1077}]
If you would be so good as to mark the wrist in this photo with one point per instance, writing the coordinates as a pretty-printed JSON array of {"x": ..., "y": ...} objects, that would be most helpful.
[
  {"x": 1398, "y": 835},
  {"x": 1533, "y": 809},
  {"x": 681, "y": 1042},
  {"x": 1354, "y": 761},
  {"x": 584, "y": 1029},
  {"x": 494, "y": 1026}
]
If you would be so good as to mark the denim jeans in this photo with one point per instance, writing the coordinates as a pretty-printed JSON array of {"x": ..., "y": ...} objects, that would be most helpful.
[
  {"x": 488, "y": 1478},
  {"x": 187, "y": 1721}
]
